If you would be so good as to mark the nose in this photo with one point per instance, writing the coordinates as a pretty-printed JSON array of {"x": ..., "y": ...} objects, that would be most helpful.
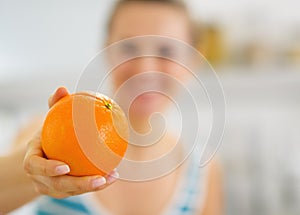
[{"x": 148, "y": 64}]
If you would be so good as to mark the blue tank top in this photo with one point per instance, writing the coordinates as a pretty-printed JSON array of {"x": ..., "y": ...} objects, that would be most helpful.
[{"x": 188, "y": 200}]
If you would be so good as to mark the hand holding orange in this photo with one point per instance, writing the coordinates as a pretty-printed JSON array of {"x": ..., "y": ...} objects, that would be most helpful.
[{"x": 85, "y": 120}]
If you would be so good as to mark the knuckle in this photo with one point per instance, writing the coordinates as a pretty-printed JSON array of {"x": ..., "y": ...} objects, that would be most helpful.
[
  {"x": 57, "y": 184},
  {"x": 77, "y": 187},
  {"x": 41, "y": 189},
  {"x": 72, "y": 187},
  {"x": 82, "y": 186},
  {"x": 27, "y": 166},
  {"x": 38, "y": 190},
  {"x": 31, "y": 177},
  {"x": 29, "y": 144},
  {"x": 44, "y": 170}
]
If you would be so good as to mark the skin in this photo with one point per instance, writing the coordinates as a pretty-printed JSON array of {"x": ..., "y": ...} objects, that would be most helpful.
[
  {"x": 49, "y": 176},
  {"x": 130, "y": 196},
  {"x": 124, "y": 197},
  {"x": 41, "y": 176},
  {"x": 16, "y": 188},
  {"x": 161, "y": 20}
]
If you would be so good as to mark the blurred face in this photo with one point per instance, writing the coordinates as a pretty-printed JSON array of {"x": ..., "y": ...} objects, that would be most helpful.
[{"x": 143, "y": 82}]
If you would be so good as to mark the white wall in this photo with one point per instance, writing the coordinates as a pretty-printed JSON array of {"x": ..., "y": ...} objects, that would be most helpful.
[
  {"x": 40, "y": 35},
  {"x": 64, "y": 34}
]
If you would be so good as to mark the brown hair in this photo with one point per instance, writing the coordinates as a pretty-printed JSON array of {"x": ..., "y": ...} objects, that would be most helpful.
[{"x": 179, "y": 4}]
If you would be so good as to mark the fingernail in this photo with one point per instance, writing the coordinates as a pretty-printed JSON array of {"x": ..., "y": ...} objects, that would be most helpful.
[
  {"x": 111, "y": 178},
  {"x": 98, "y": 182},
  {"x": 63, "y": 169}
]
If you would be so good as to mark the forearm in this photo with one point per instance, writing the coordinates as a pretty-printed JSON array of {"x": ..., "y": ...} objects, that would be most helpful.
[{"x": 16, "y": 188}]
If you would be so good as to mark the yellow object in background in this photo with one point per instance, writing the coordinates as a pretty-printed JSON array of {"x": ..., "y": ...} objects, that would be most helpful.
[{"x": 210, "y": 43}]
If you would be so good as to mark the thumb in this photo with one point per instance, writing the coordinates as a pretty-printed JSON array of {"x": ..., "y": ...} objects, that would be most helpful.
[{"x": 59, "y": 93}]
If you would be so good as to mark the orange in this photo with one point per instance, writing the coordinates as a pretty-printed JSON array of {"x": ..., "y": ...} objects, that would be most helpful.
[{"x": 87, "y": 131}]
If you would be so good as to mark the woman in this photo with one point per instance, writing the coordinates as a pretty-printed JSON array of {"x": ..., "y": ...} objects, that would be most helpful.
[{"x": 185, "y": 190}]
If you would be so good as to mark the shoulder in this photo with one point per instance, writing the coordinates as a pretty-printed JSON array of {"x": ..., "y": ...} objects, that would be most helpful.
[
  {"x": 215, "y": 170},
  {"x": 214, "y": 189}
]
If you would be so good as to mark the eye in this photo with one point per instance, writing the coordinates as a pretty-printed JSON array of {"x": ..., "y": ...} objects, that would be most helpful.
[
  {"x": 129, "y": 49},
  {"x": 166, "y": 51}
]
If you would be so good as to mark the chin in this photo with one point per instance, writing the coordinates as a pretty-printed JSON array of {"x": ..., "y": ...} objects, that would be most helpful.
[{"x": 147, "y": 104}]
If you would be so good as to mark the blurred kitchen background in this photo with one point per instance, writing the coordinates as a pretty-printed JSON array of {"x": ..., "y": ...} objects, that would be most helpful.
[{"x": 254, "y": 47}]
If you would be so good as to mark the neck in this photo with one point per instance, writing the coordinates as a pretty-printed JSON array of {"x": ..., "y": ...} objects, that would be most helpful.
[
  {"x": 140, "y": 125},
  {"x": 148, "y": 141}
]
